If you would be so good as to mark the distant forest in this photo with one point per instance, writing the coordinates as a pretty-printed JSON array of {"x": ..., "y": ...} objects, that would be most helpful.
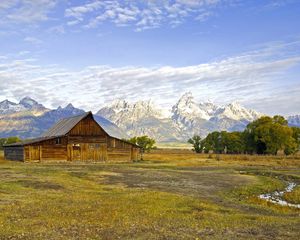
[{"x": 265, "y": 135}]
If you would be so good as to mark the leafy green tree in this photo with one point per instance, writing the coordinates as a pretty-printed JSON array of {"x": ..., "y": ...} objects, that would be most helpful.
[
  {"x": 293, "y": 146},
  {"x": 197, "y": 144},
  {"x": 214, "y": 142},
  {"x": 267, "y": 135},
  {"x": 280, "y": 120},
  {"x": 233, "y": 142},
  {"x": 224, "y": 142},
  {"x": 296, "y": 134},
  {"x": 146, "y": 143},
  {"x": 9, "y": 140}
]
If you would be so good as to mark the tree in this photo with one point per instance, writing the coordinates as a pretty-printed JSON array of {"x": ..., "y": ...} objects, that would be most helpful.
[
  {"x": 214, "y": 142},
  {"x": 280, "y": 120},
  {"x": 146, "y": 143},
  {"x": 224, "y": 142},
  {"x": 296, "y": 134},
  {"x": 267, "y": 135},
  {"x": 233, "y": 142},
  {"x": 9, "y": 140},
  {"x": 196, "y": 142},
  {"x": 293, "y": 147}
]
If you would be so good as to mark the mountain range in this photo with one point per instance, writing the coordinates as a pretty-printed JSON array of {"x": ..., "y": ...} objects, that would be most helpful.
[
  {"x": 122, "y": 119},
  {"x": 29, "y": 119}
]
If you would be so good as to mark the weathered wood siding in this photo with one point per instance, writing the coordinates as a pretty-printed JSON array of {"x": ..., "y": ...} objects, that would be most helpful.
[
  {"x": 135, "y": 154},
  {"x": 121, "y": 151},
  {"x": 48, "y": 150},
  {"x": 14, "y": 153},
  {"x": 93, "y": 152},
  {"x": 86, "y": 139},
  {"x": 87, "y": 127}
]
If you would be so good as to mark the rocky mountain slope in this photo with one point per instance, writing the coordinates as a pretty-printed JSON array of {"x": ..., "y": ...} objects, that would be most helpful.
[
  {"x": 29, "y": 119},
  {"x": 140, "y": 118},
  {"x": 186, "y": 118}
]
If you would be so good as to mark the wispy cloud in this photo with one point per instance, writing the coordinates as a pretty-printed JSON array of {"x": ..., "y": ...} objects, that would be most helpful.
[
  {"x": 247, "y": 78},
  {"x": 24, "y": 11},
  {"x": 279, "y": 3},
  {"x": 33, "y": 40},
  {"x": 140, "y": 14}
]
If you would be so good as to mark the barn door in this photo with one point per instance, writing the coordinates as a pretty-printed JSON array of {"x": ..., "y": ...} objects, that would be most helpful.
[
  {"x": 35, "y": 154},
  {"x": 76, "y": 152},
  {"x": 91, "y": 152},
  {"x": 99, "y": 152}
]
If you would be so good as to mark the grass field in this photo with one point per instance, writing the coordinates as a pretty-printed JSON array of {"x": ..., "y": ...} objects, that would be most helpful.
[{"x": 172, "y": 194}]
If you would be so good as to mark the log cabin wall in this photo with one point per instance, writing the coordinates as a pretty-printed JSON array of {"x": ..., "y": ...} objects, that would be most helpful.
[
  {"x": 120, "y": 151},
  {"x": 14, "y": 153},
  {"x": 48, "y": 150}
]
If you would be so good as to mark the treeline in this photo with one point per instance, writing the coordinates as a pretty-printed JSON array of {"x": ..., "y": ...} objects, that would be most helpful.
[
  {"x": 9, "y": 140},
  {"x": 266, "y": 135}
]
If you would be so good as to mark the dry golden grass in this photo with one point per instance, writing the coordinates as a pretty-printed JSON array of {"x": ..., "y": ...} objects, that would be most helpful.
[
  {"x": 172, "y": 194},
  {"x": 185, "y": 157}
]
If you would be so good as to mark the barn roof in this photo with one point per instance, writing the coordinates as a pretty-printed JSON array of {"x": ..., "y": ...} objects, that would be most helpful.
[
  {"x": 28, "y": 141},
  {"x": 65, "y": 125}
]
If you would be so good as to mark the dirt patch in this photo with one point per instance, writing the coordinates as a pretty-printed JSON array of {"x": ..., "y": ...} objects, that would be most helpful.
[
  {"x": 40, "y": 185},
  {"x": 204, "y": 184}
]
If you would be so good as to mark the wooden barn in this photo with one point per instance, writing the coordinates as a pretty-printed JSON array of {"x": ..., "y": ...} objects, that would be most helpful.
[{"x": 79, "y": 138}]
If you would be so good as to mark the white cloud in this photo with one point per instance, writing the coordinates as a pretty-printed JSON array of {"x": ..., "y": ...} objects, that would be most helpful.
[
  {"x": 252, "y": 78},
  {"x": 140, "y": 14},
  {"x": 24, "y": 11}
]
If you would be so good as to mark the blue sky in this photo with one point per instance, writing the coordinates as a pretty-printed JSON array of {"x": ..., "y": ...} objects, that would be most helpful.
[{"x": 91, "y": 52}]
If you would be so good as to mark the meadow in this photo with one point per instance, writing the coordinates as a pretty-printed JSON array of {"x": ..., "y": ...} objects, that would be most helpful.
[{"x": 171, "y": 194}]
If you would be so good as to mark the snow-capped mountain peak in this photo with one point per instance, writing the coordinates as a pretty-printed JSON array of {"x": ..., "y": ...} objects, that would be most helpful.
[
  {"x": 123, "y": 111},
  {"x": 28, "y": 102},
  {"x": 69, "y": 106},
  {"x": 187, "y": 98},
  {"x": 6, "y": 104},
  {"x": 119, "y": 105},
  {"x": 68, "y": 110},
  {"x": 7, "y": 107},
  {"x": 237, "y": 112},
  {"x": 187, "y": 108}
]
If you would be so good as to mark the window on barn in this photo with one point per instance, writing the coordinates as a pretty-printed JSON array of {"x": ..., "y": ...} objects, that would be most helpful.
[{"x": 58, "y": 141}]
